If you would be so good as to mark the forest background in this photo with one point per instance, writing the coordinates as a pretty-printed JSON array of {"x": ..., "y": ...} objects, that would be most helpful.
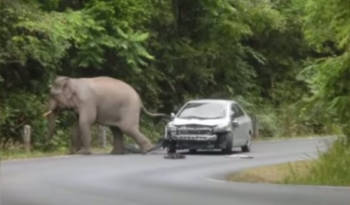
[{"x": 286, "y": 61}]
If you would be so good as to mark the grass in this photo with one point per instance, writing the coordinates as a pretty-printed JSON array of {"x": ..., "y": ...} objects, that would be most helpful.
[
  {"x": 20, "y": 154},
  {"x": 275, "y": 174},
  {"x": 17, "y": 152},
  {"x": 276, "y": 138},
  {"x": 331, "y": 168}
]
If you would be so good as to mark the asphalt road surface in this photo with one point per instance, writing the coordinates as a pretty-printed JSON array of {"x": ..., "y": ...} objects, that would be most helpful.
[{"x": 152, "y": 180}]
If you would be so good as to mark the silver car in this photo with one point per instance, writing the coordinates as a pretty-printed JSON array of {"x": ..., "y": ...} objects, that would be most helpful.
[{"x": 209, "y": 124}]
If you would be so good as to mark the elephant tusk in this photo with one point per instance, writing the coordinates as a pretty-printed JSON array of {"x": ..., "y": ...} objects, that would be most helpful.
[{"x": 47, "y": 113}]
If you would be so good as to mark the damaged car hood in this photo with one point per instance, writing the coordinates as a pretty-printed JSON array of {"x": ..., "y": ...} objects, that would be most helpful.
[{"x": 195, "y": 121}]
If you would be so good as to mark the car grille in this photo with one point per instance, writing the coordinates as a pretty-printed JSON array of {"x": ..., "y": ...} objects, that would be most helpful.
[{"x": 195, "y": 130}]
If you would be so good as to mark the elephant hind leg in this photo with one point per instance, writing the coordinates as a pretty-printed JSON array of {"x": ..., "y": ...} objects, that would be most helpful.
[
  {"x": 118, "y": 141},
  {"x": 144, "y": 143}
]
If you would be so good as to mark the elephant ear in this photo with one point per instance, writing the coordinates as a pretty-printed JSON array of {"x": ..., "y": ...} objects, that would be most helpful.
[
  {"x": 68, "y": 92},
  {"x": 57, "y": 85}
]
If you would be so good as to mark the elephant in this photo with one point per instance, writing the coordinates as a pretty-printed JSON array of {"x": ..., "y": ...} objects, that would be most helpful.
[{"x": 103, "y": 100}]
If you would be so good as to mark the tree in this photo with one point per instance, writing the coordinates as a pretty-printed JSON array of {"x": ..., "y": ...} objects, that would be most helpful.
[{"x": 327, "y": 29}]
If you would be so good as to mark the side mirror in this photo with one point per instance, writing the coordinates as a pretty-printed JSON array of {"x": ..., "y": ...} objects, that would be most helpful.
[
  {"x": 235, "y": 123},
  {"x": 172, "y": 115},
  {"x": 233, "y": 115}
]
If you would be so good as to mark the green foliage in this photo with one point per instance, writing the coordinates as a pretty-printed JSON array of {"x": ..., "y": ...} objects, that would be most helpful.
[
  {"x": 152, "y": 129},
  {"x": 327, "y": 21},
  {"x": 268, "y": 124},
  {"x": 18, "y": 110},
  {"x": 332, "y": 168},
  {"x": 326, "y": 28},
  {"x": 217, "y": 61},
  {"x": 119, "y": 20},
  {"x": 81, "y": 36}
]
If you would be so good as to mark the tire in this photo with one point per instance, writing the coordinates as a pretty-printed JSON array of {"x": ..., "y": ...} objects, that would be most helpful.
[
  {"x": 193, "y": 151},
  {"x": 247, "y": 146},
  {"x": 228, "y": 147},
  {"x": 172, "y": 147}
]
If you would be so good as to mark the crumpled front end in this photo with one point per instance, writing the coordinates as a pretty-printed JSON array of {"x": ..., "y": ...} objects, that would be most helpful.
[{"x": 195, "y": 137}]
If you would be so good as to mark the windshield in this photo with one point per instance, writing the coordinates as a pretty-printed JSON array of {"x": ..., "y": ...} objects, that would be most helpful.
[{"x": 203, "y": 111}]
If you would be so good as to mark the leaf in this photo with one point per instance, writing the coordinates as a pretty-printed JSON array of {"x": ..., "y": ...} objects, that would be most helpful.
[
  {"x": 141, "y": 51},
  {"x": 122, "y": 33},
  {"x": 140, "y": 37}
]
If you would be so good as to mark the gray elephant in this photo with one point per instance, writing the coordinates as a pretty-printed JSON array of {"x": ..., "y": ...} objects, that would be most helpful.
[{"x": 103, "y": 100}]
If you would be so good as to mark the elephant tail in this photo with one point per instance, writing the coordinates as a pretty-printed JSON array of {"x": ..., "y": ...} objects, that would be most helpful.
[{"x": 154, "y": 114}]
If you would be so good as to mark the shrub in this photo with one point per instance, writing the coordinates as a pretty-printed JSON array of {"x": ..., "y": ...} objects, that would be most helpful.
[
  {"x": 19, "y": 109},
  {"x": 332, "y": 167}
]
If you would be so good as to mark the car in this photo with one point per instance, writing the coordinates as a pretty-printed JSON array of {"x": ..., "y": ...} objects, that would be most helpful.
[{"x": 209, "y": 124}]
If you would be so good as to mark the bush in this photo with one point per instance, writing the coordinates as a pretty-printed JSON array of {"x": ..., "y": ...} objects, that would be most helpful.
[
  {"x": 19, "y": 109},
  {"x": 153, "y": 128},
  {"x": 291, "y": 120},
  {"x": 267, "y": 123}
]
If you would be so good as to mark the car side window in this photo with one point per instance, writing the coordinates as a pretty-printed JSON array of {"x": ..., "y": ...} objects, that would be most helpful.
[{"x": 237, "y": 111}]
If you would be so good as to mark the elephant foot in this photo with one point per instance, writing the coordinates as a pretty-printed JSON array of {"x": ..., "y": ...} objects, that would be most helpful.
[
  {"x": 129, "y": 149},
  {"x": 132, "y": 148},
  {"x": 174, "y": 156},
  {"x": 149, "y": 148},
  {"x": 73, "y": 151},
  {"x": 84, "y": 152},
  {"x": 152, "y": 147}
]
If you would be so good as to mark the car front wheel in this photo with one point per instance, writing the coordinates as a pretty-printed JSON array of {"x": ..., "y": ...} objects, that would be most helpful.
[
  {"x": 228, "y": 146},
  {"x": 193, "y": 151},
  {"x": 247, "y": 146}
]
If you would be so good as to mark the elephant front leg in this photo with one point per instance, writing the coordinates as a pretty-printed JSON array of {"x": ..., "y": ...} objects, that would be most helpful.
[
  {"x": 118, "y": 141},
  {"x": 85, "y": 135},
  {"x": 76, "y": 143}
]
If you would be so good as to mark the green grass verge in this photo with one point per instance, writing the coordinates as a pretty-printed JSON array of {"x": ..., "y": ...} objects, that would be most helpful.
[
  {"x": 19, "y": 153},
  {"x": 275, "y": 174},
  {"x": 331, "y": 168}
]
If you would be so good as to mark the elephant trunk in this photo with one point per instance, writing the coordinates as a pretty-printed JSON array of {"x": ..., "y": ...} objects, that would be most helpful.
[
  {"x": 51, "y": 116},
  {"x": 52, "y": 124}
]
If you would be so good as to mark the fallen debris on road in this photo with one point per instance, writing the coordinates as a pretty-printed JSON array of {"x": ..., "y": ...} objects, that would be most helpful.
[{"x": 174, "y": 156}]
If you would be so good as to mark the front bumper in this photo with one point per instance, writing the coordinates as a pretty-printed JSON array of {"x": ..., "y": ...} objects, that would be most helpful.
[
  {"x": 212, "y": 137},
  {"x": 213, "y": 141}
]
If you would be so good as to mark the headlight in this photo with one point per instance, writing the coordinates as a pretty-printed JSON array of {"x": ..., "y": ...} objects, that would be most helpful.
[{"x": 222, "y": 128}]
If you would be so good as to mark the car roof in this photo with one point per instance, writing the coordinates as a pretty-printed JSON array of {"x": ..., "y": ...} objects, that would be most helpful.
[{"x": 212, "y": 101}]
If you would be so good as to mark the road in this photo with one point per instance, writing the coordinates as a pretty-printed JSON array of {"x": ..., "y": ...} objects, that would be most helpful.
[{"x": 152, "y": 180}]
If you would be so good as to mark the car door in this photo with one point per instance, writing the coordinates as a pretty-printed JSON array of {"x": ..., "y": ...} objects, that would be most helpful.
[{"x": 242, "y": 125}]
